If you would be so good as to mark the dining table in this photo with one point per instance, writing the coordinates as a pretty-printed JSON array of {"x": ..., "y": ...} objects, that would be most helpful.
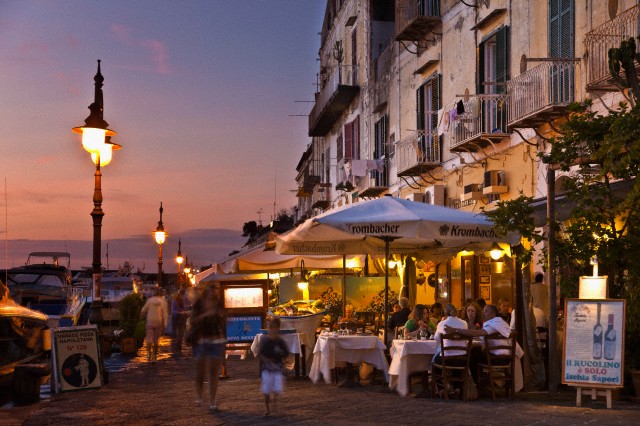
[
  {"x": 295, "y": 345},
  {"x": 333, "y": 350},
  {"x": 412, "y": 356}
]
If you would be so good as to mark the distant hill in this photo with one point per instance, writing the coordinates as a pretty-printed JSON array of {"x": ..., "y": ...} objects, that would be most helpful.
[{"x": 201, "y": 246}]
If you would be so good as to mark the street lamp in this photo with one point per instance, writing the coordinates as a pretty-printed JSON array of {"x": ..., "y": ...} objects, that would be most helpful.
[
  {"x": 160, "y": 236},
  {"x": 96, "y": 139},
  {"x": 179, "y": 260}
]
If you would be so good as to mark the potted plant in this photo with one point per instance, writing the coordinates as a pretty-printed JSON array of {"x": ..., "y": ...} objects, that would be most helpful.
[{"x": 130, "y": 307}]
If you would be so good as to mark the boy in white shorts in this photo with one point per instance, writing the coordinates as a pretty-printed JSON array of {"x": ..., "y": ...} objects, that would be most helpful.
[{"x": 273, "y": 352}]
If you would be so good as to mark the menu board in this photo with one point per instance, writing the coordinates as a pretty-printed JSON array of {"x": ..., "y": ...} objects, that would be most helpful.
[
  {"x": 76, "y": 358},
  {"x": 594, "y": 343},
  {"x": 243, "y": 297}
]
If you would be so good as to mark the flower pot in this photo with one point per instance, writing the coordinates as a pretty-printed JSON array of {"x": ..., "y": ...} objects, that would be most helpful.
[{"x": 128, "y": 345}]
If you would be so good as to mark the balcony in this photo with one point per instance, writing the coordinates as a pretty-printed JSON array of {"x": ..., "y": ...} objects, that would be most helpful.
[
  {"x": 598, "y": 42},
  {"x": 321, "y": 196},
  {"x": 483, "y": 123},
  {"x": 418, "y": 153},
  {"x": 308, "y": 184},
  {"x": 416, "y": 18},
  {"x": 542, "y": 93},
  {"x": 375, "y": 184},
  {"x": 337, "y": 93}
]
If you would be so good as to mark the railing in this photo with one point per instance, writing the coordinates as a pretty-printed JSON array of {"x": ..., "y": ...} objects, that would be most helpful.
[
  {"x": 419, "y": 147},
  {"x": 337, "y": 76},
  {"x": 608, "y": 35},
  {"x": 484, "y": 115},
  {"x": 321, "y": 195},
  {"x": 551, "y": 83},
  {"x": 408, "y": 11}
]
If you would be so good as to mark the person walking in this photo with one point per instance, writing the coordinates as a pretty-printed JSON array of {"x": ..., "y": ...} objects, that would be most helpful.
[
  {"x": 207, "y": 326},
  {"x": 273, "y": 352},
  {"x": 180, "y": 311},
  {"x": 157, "y": 318}
]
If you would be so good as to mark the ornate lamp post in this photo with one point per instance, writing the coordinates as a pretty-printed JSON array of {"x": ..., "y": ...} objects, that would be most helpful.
[
  {"x": 96, "y": 139},
  {"x": 179, "y": 260},
  {"x": 160, "y": 236}
]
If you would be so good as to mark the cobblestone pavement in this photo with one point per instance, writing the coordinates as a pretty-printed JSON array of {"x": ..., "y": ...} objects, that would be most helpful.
[{"x": 163, "y": 394}]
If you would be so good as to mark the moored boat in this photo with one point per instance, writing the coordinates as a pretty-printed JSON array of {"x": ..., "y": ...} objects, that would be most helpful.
[
  {"x": 23, "y": 337},
  {"x": 44, "y": 284}
]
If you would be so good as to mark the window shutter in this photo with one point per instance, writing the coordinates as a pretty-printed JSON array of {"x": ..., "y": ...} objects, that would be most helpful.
[
  {"x": 502, "y": 58},
  {"x": 356, "y": 138},
  {"x": 480, "y": 68},
  {"x": 340, "y": 147},
  {"x": 348, "y": 141},
  {"x": 420, "y": 108},
  {"x": 435, "y": 102},
  {"x": 561, "y": 28}
]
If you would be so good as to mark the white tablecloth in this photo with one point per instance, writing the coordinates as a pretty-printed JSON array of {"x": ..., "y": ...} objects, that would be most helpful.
[
  {"x": 330, "y": 350},
  {"x": 293, "y": 341},
  {"x": 407, "y": 357},
  {"x": 410, "y": 356}
]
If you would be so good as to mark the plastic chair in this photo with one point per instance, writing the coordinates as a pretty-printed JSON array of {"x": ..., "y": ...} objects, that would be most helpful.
[
  {"x": 453, "y": 365},
  {"x": 499, "y": 365}
]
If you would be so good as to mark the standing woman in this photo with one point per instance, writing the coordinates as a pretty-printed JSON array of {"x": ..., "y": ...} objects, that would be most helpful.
[{"x": 207, "y": 325}]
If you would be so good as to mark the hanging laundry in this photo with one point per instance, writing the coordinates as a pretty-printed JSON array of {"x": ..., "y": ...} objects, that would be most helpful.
[
  {"x": 453, "y": 114},
  {"x": 460, "y": 107},
  {"x": 380, "y": 165},
  {"x": 347, "y": 169},
  {"x": 447, "y": 123},
  {"x": 441, "y": 122},
  {"x": 474, "y": 107},
  {"x": 359, "y": 167},
  {"x": 371, "y": 164}
]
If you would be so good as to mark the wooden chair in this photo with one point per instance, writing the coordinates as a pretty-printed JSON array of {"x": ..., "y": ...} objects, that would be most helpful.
[
  {"x": 453, "y": 365},
  {"x": 542, "y": 337},
  {"x": 500, "y": 362}
]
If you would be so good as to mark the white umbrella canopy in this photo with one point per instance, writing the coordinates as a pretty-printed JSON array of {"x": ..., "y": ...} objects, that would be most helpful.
[
  {"x": 407, "y": 226},
  {"x": 388, "y": 224}
]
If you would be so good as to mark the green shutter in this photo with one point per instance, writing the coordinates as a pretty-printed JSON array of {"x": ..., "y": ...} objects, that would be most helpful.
[
  {"x": 420, "y": 108},
  {"x": 502, "y": 58},
  {"x": 480, "y": 70},
  {"x": 561, "y": 28}
]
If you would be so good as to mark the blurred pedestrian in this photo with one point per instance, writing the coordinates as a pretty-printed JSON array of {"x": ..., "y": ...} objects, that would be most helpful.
[
  {"x": 207, "y": 325},
  {"x": 180, "y": 311},
  {"x": 273, "y": 352},
  {"x": 157, "y": 318}
]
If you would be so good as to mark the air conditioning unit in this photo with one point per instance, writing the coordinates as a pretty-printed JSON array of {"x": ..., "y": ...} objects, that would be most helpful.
[
  {"x": 434, "y": 195},
  {"x": 471, "y": 192},
  {"x": 495, "y": 182},
  {"x": 416, "y": 196}
]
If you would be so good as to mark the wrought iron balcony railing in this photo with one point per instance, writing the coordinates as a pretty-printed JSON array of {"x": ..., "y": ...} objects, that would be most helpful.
[
  {"x": 418, "y": 153},
  {"x": 484, "y": 121},
  {"x": 335, "y": 96},
  {"x": 415, "y": 18},
  {"x": 598, "y": 42},
  {"x": 541, "y": 93}
]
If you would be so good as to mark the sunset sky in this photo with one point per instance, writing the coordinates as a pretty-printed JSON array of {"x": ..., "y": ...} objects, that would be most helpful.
[{"x": 200, "y": 93}]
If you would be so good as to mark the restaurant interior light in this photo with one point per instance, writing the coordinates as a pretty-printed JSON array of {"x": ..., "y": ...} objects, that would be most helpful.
[{"x": 495, "y": 251}]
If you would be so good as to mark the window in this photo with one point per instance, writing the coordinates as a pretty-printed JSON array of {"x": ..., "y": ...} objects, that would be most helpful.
[
  {"x": 561, "y": 45},
  {"x": 339, "y": 148},
  {"x": 427, "y": 105},
  {"x": 380, "y": 152},
  {"x": 493, "y": 72},
  {"x": 354, "y": 58},
  {"x": 352, "y": 139}
]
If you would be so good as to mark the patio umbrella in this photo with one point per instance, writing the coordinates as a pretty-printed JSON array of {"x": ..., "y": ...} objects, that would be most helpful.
[{"x": 385, "y": 225}]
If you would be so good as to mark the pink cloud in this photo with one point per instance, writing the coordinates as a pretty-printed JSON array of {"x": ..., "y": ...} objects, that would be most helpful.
[
  {"x": 34, "y": 47},
  {"x": 156, "y": 48},
  {"x": 159, "y": 55},
  {"x": 70, "y": 84}
]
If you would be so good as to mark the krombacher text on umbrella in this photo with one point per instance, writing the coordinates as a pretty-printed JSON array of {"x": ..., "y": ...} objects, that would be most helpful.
[
  {"x": 459, "y": 231},
  {"x": 372, "y": 229}
]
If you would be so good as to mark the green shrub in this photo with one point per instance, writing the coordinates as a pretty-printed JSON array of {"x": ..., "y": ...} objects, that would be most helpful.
[{"x": 130, "y": 307}]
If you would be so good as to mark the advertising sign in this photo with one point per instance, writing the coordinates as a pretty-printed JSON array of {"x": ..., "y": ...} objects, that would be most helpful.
[
  {"x": 594, "y": 343},
  {"x": 77, "y": 357},
  {"x": 243, "y": 328}
]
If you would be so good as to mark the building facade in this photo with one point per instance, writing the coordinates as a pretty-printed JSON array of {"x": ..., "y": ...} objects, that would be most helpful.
[{"x": 452, "y": 102}]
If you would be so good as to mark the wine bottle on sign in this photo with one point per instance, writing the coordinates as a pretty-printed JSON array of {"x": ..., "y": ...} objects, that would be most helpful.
[
  {"x": 597, "y": 337},
  {"x": 610, "y": 340}
]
